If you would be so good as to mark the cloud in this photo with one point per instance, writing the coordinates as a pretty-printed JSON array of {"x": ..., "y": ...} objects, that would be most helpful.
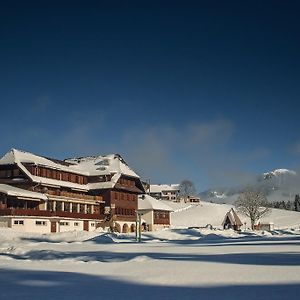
[
  {"x": 210, "y": 133},
  {"x": 295, "y": 148},
  {"x": 201, "y": 151}
]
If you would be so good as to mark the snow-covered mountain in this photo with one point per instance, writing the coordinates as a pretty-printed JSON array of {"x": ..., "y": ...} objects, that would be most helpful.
[
  {"x": 278, "y": 185},
  {"x": 279, "y": 173}
]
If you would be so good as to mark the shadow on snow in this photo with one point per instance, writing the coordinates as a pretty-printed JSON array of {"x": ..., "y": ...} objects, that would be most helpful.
[
  {"x": 24, "y": 284},
  {"x": 264, "y": 259}
]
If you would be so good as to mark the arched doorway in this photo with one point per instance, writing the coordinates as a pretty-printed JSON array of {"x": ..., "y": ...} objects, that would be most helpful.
[
  {"x": 117, "y": 227},
  {"x": 125, "y": 228},
  {"x": 132, "y": 228}
]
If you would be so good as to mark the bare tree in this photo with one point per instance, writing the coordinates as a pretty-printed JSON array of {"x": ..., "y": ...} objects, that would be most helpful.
[
  {"x": 253, "y": 204},
  {"x": 187, "y": 189}
]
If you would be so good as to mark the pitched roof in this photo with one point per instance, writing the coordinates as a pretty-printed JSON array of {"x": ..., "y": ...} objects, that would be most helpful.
[
  {"x": 233, "y": 218},
  {"x": 158, "y": 188},
  {"x": 146, "y": 202},
  {"x": 112, "y": 164},
  {"x": 102, "y": 164},
  {"x": 17, "y": 192}
]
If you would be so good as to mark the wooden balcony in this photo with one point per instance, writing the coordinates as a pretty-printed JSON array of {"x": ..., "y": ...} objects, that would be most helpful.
[
  {"x": 161, "y": 221},
  {"x": 46, "y": 213},
  {"x": 71, "y": 195}
]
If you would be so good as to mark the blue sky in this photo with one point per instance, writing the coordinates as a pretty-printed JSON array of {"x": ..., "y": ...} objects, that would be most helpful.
[{"x": 205, "y": 90}]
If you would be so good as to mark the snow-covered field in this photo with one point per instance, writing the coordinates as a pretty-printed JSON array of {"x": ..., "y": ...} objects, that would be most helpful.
[
  {"x": 188, "y": 215},
  {"x": 177, "y": 263}
]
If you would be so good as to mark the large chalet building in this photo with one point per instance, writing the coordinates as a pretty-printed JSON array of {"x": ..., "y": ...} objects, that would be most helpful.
[{"x": 40, "y": 194}]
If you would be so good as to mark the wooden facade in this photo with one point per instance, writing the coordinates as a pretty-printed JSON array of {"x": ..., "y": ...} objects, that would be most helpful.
[
  {"x": 161, "y": 217},
  {"x": 65, "y": 201}
]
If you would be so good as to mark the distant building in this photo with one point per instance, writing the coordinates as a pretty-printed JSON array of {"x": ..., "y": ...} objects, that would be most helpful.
[
  {"x": 193, "y": 199},
  {"x": 232, "y": 220},
  {"x": 164, "y": 191},
  {"x": 155, "y": 213},
  {"x": 40, "y": 194}
]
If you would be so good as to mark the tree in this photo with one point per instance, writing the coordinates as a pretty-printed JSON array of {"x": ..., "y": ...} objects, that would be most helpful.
[
  {"x": 186, "y": 189},
  {"x": 253, "y": 204},
  {"x": 297, "y": 203}
]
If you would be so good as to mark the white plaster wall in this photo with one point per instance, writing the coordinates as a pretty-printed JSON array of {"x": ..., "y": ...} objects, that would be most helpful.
[
  {"x": 30, "y": 225},
  {"x": 92, "y": 225},
  {"x": 4, "y": 222},
  {"x": 70, "y": 227},
  {"x": 148, "y": 217}
]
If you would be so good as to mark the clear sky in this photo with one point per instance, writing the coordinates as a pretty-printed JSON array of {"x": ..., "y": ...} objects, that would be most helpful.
[{"x": 205, "y": 90}]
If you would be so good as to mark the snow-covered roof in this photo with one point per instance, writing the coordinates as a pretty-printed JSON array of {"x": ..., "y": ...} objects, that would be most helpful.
[
  {"x": 146, "y": 202},
  {"x": 233, "y": 217},
  {"x": 102, "y": 165},
  {"x": 158, "y": 188},
  {"x": 17, "y": 192},
  {"x": 112, "y": 164},
  {"x": 15, "y": 156}
]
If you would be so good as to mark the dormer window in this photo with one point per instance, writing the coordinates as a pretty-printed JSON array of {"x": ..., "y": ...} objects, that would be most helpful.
[{"x": 104, "y": 162}]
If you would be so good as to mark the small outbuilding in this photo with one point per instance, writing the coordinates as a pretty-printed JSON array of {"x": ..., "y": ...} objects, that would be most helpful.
[
  {"x": 232, "y": 220},
  {"x": 265, "y": 226},
  {"x": 155, "y": 213}
]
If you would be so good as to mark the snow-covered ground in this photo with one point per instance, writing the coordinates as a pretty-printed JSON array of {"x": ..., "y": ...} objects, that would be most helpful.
[
  {"x": 178, "y": 263},
  {"x": 187, "y": 215}
]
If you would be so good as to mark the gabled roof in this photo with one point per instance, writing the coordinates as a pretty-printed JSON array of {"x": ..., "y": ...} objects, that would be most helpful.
[
  {"x": 233, "y": 218},
  {"x": 102, "y": 165},
  {"x": 112, "y": 164},
  {"x": 17, "y": 192},
  {"x": 146, "y": 202},
  {"x": 19, "y": 157},
  {"x": 15, "y": 156}
]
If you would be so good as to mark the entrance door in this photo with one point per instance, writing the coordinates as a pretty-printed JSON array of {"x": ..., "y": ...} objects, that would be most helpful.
[
  {"x": 86, "y": 225},
  {"x": 53, "y": 226}
]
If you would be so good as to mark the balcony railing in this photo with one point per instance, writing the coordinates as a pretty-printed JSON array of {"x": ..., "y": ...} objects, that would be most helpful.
[
  {"x": 74, "y": 195},
  {"x": 46, "y": 213}
]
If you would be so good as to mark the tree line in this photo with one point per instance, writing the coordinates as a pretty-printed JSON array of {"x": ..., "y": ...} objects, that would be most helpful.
[{"x": 287, "y": 205}]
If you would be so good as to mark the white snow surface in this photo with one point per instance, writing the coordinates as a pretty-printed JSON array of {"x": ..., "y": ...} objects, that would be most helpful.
[
  {"x": 101, "y": 165},
  {"x": 92, "y": 166},
  {"x": 205, "y": 213},
  {"x": 146, "y": 202},
  {"x": 176, "y": 263},
  {"x": 158, "y": 188}
]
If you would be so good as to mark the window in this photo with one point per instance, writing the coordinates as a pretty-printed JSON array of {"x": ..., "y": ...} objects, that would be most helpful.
[
  {"x": 88, "y": 209},
  {"x": 64, "y": 223},
  {"x": 18, "y": 222},
  {"x": 76, "y": 224},
  {"x": 58, "y": 206},
  {"x": 67, "y": 206},
  {"x": 40, "y": 223},
  {"x": 92, "y": 224}
]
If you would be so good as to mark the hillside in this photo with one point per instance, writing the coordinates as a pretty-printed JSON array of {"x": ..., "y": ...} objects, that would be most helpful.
[
  {"x": 187, "y": 215},
  {"x": 277, "y": 185}
]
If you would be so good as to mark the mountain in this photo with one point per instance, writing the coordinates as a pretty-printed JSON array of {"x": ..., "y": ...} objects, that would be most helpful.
[{"x": 278, "y": 185}]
